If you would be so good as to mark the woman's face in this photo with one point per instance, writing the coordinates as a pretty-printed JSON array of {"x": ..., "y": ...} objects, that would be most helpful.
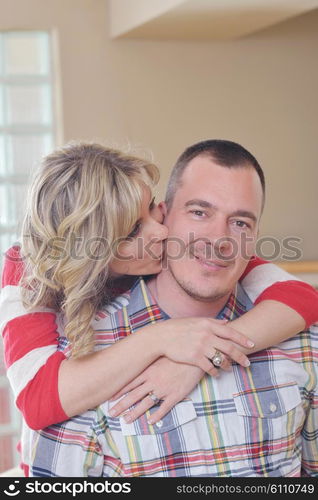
[{"x": 142, "y": 252}]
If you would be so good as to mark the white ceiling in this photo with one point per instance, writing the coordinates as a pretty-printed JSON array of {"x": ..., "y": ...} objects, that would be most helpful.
[{"x": 200, "y": 19}]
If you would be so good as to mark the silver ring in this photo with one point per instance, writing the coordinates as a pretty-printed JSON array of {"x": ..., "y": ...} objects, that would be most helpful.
[
  {"x": 155, "y": 399},
  {"x": 217, "y": 359}
]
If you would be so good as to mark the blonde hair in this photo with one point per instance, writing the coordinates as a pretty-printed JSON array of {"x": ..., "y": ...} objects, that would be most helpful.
[{"x": 82, "y": 193}]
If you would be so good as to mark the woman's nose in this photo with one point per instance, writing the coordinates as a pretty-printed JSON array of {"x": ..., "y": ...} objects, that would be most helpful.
[{"x": 158, "y": 231}]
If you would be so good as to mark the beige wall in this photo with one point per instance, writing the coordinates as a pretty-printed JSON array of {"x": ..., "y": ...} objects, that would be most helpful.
[{"x": 260, "y": 91}]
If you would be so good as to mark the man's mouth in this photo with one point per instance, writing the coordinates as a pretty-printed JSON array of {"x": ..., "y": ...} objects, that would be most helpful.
[{"x": 213, "y": 264}]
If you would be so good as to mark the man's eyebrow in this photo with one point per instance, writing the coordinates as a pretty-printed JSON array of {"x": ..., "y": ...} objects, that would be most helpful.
[
  {"x": 200, "y": 203},
  {"x": 244, "y": 213}
]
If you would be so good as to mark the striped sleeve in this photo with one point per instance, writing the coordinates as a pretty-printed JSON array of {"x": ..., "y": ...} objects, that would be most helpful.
[
  {"x": 30, "y": 343},
  {"x": 265, "y": 281}
]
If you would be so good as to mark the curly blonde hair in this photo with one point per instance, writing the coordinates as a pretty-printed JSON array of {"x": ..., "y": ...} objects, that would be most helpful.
[{"x": 83, "y": 194}]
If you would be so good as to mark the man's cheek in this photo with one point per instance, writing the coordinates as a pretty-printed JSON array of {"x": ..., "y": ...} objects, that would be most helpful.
[{"x": 176, "y": 248}]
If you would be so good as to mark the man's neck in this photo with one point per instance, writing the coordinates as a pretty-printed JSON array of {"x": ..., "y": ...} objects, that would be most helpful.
[{"x": 175, "y": 302}]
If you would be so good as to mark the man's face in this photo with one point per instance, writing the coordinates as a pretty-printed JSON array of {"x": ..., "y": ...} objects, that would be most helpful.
[{"x": 213, "y": 225}]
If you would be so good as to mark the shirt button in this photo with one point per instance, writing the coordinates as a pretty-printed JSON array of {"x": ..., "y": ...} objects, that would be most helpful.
[
  {"x": 272, "y": 407},
  {"x": 159, "y": 424}
]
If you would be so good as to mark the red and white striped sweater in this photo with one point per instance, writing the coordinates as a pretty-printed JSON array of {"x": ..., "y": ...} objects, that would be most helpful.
[{"x": 31, "y": 339}]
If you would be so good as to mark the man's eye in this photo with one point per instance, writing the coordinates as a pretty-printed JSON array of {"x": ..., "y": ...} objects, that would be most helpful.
[
  {"x": 199, "y": 213},
  {"x": 241, "y": 223},
  {"x": 135, "y": 230}
]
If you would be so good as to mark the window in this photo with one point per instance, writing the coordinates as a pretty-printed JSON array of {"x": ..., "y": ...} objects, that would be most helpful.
[{"x": 27, "y": 132}]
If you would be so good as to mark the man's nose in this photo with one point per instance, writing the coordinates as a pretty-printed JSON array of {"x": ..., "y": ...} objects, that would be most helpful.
[
  {"x": 219, "y": 236},
  {"x": 223, "y": 247},
  {"x": 218, "y": 230}
]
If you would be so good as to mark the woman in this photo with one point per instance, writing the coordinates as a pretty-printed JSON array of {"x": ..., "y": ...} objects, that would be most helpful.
[{"x": 89, "y": 206}]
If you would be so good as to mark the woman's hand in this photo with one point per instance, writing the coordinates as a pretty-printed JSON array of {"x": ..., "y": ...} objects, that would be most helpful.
[
  {"x": 196, "y": 340},
  {"x": 169, "y": 381}
]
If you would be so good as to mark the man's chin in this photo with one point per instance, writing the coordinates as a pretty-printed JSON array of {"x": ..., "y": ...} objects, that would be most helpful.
[
  {"x": 212, "y": 297},
  {"x": 203, "y": 294}
]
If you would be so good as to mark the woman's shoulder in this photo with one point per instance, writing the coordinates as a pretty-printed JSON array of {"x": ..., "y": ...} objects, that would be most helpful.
[{"x": 12, "y": 266}]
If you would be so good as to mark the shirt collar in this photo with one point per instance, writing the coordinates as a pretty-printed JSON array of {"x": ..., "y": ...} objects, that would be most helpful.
[{"x": 143, "y": 309}]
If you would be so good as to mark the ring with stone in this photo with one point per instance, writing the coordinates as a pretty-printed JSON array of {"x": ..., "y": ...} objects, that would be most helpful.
[
  {"x": 155, "y": 398},
  {"x": 217, "y": 359}
]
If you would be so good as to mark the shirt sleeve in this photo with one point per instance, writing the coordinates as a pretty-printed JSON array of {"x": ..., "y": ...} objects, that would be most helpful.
[
  {"x": 265, "y": 281},
  {"x": 310, "y": 430},
  {"x": 30, "y": 350},
  {"x": 310, "y": 440}
]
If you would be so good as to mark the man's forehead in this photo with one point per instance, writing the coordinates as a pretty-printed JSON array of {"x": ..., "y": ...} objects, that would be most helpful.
[
  {"x": 206, "y": 171},
  {"x": 204, "y": 179},
  {"x": 204, "y": 165}
]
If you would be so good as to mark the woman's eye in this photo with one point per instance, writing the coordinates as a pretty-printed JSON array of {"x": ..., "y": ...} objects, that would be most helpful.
[
  {"x": 152, "y": 205},
  {"x": 135, "y": 230}
]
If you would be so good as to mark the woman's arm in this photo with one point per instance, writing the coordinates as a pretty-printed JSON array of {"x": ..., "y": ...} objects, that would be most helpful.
[
  {"x": 283, "y": 309},
  {"x": 31, "y": 355},
  {"x": 43, "y": 379},
  {"x": 268, "y": 324},
  {"x": 263, "y": 280},
  {"x": 285, "y": 306}
]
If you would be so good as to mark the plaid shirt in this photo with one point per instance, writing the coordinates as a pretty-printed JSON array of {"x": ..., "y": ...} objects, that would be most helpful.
[{"x": 259, "y": 421}]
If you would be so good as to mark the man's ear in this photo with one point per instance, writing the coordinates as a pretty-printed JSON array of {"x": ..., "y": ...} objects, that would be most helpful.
[{"x": 163, "y": 208}]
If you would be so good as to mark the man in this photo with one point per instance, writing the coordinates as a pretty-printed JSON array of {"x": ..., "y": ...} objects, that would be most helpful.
[{"x": 255, "y": 421}]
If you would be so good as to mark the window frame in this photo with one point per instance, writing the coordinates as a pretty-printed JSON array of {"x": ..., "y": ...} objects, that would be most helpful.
[{"x": 8, "y": 231}]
